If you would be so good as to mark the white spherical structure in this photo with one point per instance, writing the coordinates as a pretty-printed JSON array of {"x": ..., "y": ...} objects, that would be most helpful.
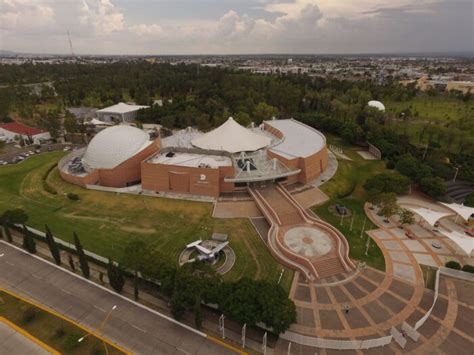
[
  {"x": 377, "y": 104},
  {"x": 114, "y": 145}
]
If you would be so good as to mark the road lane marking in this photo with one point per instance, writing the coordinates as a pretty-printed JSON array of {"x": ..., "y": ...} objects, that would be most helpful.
[
  {"x": 2, "y": 254},
  {"x": 140, "y": 329}
]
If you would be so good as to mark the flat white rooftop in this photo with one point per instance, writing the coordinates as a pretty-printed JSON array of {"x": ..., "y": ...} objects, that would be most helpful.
[
  {"x": 300, "y": 140},
  {"x": 122, "y": 107},
  {"x": 191, "y": 160}
]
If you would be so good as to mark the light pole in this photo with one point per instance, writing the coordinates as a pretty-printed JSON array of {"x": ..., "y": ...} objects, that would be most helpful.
[
  {"x": 352, "y": 221},
  {"x": 363, "y": 227},
  {"x": 367, "y": 246},
  {"x": 100, "y": 329},
  {"x": 455, "y": 174}
]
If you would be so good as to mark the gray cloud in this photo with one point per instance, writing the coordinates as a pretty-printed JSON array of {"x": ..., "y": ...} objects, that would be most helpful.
[{"x": 292, "y": 26}]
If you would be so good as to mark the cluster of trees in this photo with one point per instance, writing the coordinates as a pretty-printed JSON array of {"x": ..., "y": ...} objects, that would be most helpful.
[
  {"x": 205, "y": 97},
  {"x": 188, "y": 287}
]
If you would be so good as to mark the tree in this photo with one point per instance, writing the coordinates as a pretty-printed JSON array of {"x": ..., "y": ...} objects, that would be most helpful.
[
  {"x": 387, "y": 204},
  {"x": 134, "y": 255},
  {"x": 387, "y": 183},
  {"x": 82, "y": 257},
  {"x": 53, "y": 246},
  {"x": 70, "y": 125},
  {"x": 264, "y": 111},
  {"x": 412, "y": 167},
  {"x": 406, "y": 216},
  {"x": 469, "y": 200},
  {"x": 115, "y": 275},
  {"x": 29, "y": 243},
  {"x": 14, "y": 216},
  {"x": 433, "y": 187}
]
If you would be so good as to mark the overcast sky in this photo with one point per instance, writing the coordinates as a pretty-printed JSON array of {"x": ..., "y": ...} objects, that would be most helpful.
[{"x": 236, "y": 26}]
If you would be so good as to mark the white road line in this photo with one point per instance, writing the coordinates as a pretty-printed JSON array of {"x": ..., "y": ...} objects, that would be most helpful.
[
  {"x": 37, "y": 277},
  {"x": 140, "y": 329},
  {"x": 2, "y": 254},
  {"x": 100, "y": 309},
  {"x": 191, "y": 329},
  {"x": 66, "y": 292},
  {"x": 9, "y": 263},
  {"x": 183, "y": 351}
]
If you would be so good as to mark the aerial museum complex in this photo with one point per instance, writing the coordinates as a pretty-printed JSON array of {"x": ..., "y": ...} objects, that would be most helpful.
[
  {"x": 275, "y": 168},
  {"x": 226, "y": 159}
]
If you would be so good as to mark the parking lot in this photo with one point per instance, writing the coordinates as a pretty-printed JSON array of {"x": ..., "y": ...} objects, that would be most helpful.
[{"x": 12, "y": 154}]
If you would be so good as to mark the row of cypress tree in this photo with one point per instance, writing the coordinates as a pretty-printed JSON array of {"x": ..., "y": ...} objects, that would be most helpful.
[{"x": 114, "y": 271}]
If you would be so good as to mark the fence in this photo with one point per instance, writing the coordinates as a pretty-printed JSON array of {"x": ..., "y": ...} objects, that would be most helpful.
[
  {"x": 375, "y": 151},
  {"x": 335, "y": 343}
]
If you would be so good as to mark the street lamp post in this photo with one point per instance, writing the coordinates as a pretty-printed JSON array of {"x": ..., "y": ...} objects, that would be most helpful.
[
  {"x": 102, "y": 325},
  {"x": 456, "y": 174},
  {"x": 363, "y": 227}
]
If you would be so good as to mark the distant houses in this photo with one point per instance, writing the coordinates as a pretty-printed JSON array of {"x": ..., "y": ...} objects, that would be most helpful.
[{"x": 14, "y": 131}]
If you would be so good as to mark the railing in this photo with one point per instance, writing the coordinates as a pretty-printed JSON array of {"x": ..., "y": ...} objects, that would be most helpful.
[
  {"x": 340, "y": 239},
  {"x": 336, "y": 343}
]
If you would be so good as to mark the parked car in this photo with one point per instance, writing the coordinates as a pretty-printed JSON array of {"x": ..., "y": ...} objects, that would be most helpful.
[
  {"x": 3, "y": 162},
  {"x": 66, "y": 149}
]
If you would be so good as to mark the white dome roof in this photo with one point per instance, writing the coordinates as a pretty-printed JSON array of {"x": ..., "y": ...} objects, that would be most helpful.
[
  {"x": 114, "y": 145},
  {"x": 377, "y": 104}
]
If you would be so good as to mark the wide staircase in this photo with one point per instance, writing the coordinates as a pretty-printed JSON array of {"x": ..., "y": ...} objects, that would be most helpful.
[{"x": 283, "y": 212}]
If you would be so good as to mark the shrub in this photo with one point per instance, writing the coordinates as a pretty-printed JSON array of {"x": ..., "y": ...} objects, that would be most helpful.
[
  {"x": 60, "y": 332},
  {"x": 433, "y": 186},
  {"x": 71, "y": 342},
  {"x": 48, "y": 188},
  {"x": 453, "y": 265},
  {"x": 73, "y": 196},
  {"x": 468, "y": 268},
  {"x": 29, "y": 315}
]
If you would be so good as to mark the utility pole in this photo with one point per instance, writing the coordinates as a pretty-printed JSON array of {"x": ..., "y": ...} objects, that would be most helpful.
[
  {"x": 367, "y": 245},
  {"x": 244, "y": 330},
  {"x": 352, "y": 221},
  {"x": 264, "y": 344}
]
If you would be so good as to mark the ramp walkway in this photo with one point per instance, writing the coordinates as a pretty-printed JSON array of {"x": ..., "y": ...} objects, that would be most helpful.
[{"x": 299, "y": 240}]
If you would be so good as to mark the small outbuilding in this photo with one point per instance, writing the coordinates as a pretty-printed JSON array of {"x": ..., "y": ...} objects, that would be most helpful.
[{"x": 120, "y": 112}]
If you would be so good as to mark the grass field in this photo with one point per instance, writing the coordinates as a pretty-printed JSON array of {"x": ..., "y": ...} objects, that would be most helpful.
[
  {"x": 435, "y": 108},
  {"x": 105, "y": 222},
  {"x": 58, "y": 333},
  {"x": 346, "y": 188}
]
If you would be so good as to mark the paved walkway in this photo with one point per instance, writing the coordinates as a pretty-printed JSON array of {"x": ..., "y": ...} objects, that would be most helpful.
[
  {"x": 131, "y": 325},
  {"x": 379, "y": 300}
]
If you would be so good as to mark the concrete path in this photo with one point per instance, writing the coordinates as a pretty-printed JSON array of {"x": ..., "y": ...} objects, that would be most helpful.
[{"x": 131, "y": 325}]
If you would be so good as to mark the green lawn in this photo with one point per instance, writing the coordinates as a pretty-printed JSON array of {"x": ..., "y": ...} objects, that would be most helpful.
[
  {"x": 346, "y": 188},
  {"x": 105, "y": 222},
  {"x": 435, "y": 108},
  {"x": 56, "y": 332}
]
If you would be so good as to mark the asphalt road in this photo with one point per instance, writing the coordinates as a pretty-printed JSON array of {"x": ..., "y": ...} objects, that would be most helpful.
[{"x": 139, "y": 330}]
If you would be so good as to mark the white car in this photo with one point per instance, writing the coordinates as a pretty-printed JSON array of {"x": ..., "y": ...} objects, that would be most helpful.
[{"x": 66, "y": 149}]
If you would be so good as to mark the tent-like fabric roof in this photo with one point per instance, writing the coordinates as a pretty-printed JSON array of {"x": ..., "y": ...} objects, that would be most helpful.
[
  {"x": 231, "y": 137},
  {"x": 464, "y": 242},
  {"x": 428, "y": 215},
  {"x": 464, "y": 211}
]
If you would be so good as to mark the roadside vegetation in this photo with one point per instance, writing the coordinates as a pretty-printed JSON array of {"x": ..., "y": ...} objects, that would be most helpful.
[{"x": 56, "y": 332}]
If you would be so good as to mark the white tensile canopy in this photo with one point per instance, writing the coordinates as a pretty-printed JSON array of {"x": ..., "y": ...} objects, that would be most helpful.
[
  {"x": 428, "y": 215},
  {"x": 464, "y": 242},
  {"x": 464, "y": 211},
  {"x": 231, "y": 137}
]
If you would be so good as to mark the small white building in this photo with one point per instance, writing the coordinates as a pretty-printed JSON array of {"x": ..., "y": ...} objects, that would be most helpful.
[
  {"x": 120, "y": 112},
  {"x": 11, "y": 132}
]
